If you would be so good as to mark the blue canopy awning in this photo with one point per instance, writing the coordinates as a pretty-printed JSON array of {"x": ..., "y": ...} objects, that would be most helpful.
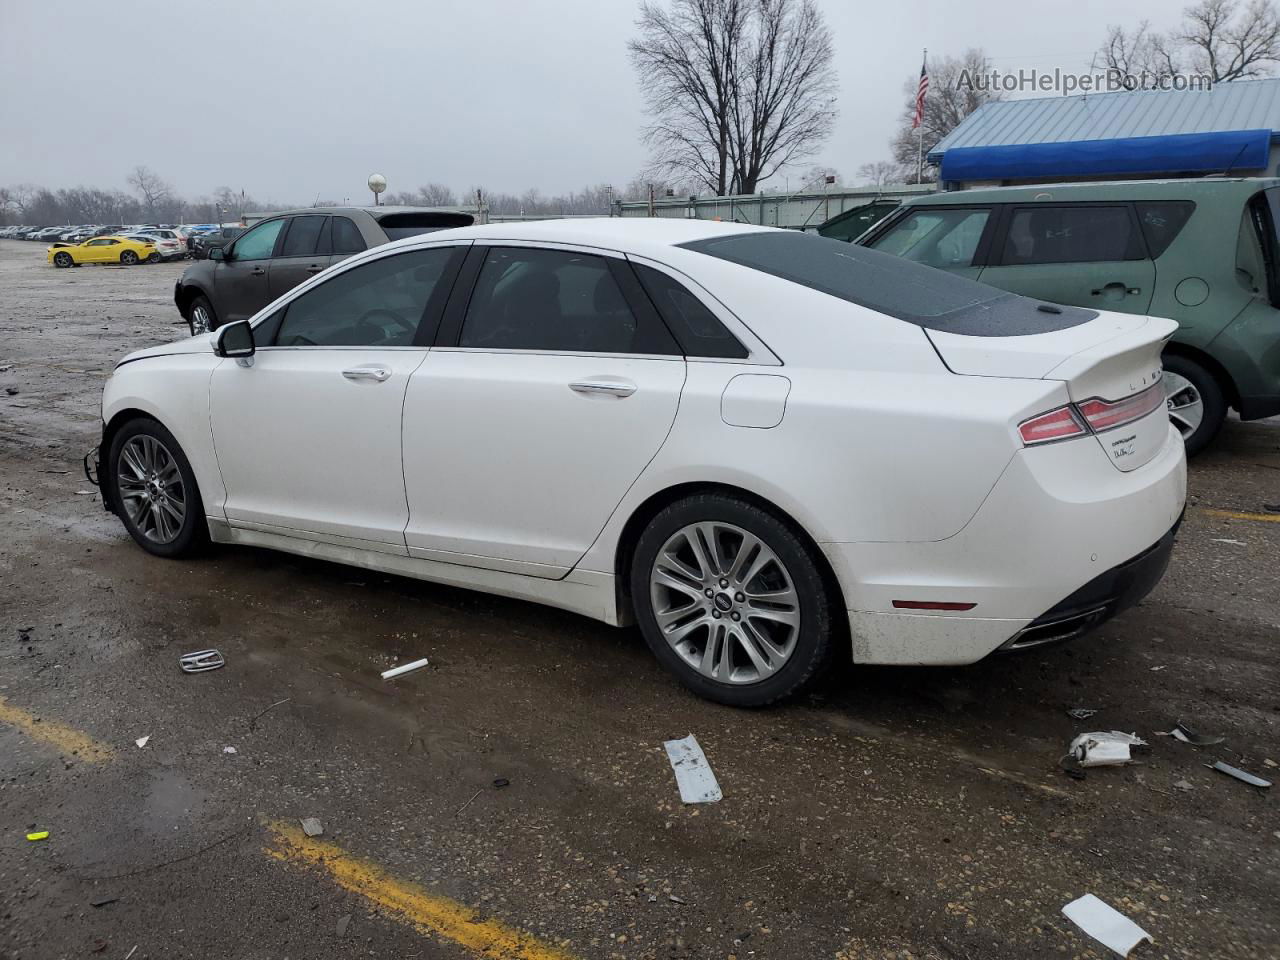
[{"x": 1220, "y": 152}]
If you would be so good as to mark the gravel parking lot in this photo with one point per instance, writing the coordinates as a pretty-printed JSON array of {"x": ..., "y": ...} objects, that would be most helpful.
[{"x": 895, "y": 813}]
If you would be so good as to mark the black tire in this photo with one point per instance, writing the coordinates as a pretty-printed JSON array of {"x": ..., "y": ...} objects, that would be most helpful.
[
  {"x": 193, "y": 533},
  {"x": 128, "y": 258},
  {"x": 812, "y": 645},
  {"x": 154, "y": 258},
  {"x": 1211, "y": 397},
  {"x": 201, "y": 302},
  {"x": 63, "y": 259}
]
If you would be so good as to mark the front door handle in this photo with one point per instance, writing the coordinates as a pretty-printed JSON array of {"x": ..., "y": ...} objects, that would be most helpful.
[
  {"x": 375, "y": 373},
  {"x": 609, "y": 388},
  {"x": 1116, "y": 290},
  {"x": 257, "y": 272}
]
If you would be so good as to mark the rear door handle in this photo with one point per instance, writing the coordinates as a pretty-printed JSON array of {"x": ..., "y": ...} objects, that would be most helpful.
[
  {"x": 372, "y": 372},
  {"x": 610, "y": 388},
  {"x": 314, "y": 268},
  {"x": 1116, "y": 288},
  {"x": 257, "y": 272}
]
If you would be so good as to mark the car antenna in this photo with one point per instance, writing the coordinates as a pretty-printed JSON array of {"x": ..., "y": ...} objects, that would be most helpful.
[{"x": 1236, "y": 159}]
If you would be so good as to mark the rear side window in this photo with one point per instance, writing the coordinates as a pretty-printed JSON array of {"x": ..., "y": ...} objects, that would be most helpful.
[
  {"x": 936, "y": 237},
  {"x": 1071, "y": 234},
  {"x": 553, "y": 300},
  {"x": 301, "y": 239},
  {"x": 1162, "y": 221},
  {"x": 698, "y": 331},
  {"x": 934, "y": 299},
  {"x": 346, "y": 237}
]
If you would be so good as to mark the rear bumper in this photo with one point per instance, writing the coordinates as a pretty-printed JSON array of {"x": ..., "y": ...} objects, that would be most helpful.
[{"x": 1062, "y": 532}]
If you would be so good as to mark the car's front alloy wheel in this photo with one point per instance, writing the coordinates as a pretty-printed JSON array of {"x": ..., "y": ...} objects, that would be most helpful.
[
  {"x": 731, "y": 599},
  {"x": 62, "y": 259},
  {"x": 200, "y": 316},
  {"x": 155, "y": 490}
]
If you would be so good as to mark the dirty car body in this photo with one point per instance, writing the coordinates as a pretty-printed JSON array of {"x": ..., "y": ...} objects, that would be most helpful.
[{"x": 760, "y": 445}]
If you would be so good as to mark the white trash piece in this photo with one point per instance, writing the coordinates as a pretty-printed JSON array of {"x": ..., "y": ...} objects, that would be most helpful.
[
  {"x": 1105, "y": 924},
  {"x": 693, "y": 774},
  {"x": 1102, "y": 749},
  {"x": 404, "y": 668},
  {"x": 142, "y": 741}
]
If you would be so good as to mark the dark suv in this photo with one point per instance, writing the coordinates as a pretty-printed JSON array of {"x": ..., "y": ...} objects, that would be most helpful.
[{"x": 279, "y": 252}]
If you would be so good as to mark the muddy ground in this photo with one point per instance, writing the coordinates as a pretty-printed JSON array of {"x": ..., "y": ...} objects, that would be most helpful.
[{"x": 893, "y": 813}]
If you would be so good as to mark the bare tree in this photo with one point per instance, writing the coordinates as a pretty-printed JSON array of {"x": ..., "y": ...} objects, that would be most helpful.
[
  {"x": 816, "y": 176},
  {"x": 150, "y": 186},
  {"x": 880, "y": 173},
  {"x": 735, "y": 89},
  {"x": 1221, "y": 39},
  {"x": 436, "y": 195},
  {"x": 951, "y": 97}
]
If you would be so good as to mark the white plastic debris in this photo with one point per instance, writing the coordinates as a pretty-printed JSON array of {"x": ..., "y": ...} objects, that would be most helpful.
[
  {"x": 228, "y": 749},
  {"x": 1105, "y": 924},
  {"x": 1102, "y": 749},
  {"x": 142, "y": 741},
  {"x": 693, "y": 774},
  {"x": 311, "y": 826},
  {"x": 404, "y": 668}
]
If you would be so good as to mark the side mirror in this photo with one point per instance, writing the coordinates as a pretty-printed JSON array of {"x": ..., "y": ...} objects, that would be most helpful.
[
  {"x": 217, "y": 253},
  {"x": 235, "y": 340}
]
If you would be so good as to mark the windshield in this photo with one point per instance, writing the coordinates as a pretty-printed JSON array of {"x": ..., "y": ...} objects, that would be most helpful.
[{"x": 927, "y": 297}]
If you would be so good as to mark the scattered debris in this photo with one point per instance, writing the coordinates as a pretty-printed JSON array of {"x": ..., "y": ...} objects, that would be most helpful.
[
  {"x": 1236, "y": 772},
  {"x": 467, "y": 804},
  {"x": 1104, "y": 749},
  {"x": 1183, "y": 785},
  {"x": 142, "y": 741},
  {"x": 674, "y": 899},
  {"x": 500, "y": 782},
  {"x": 201, "y": 660},
  {"x": 1080, "y": 713},
  {"x": 1271, "y": 507},
  {"x": 1185, "y": 734},
  {"x": 693, "y": 774},
  {"x": 131, "y": 952},
  {"x": 253, "y": 721},
  {"x": 311, "y": 826},
  {"x": 103, "y": 900},
  {"x": 40, "y": 835},
  {"x": 228, "y": 749},
  {"x": 1235, "y": 543},
  {"x": 404, "y": 668},
  {"x": 1105, "y": 924},
  {"x": 1070, "y": 765},
  {"x": 344, "y": 921},
  {"x": 98, "y": 946},
  {"x": 11, "y": 391},
  {"x": 1154, "y": 669}
]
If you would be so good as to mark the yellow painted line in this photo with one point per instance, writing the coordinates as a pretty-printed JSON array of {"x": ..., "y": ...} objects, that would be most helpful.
[
  {"x": 65, "y": 739},
  {"x": 428, "y": 912},
  {"x": 1241, "y": 515}
]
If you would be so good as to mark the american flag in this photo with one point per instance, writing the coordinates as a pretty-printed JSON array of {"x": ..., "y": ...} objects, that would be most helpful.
[{"x": 921, "y": 90}]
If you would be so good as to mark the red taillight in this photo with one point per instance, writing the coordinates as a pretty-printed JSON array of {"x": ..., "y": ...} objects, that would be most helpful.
[
  {"x": 1059, "y": 424},
  {"x": 1105, "y": 414}
]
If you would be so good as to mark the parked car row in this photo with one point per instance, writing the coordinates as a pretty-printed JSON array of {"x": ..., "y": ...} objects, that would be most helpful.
[{"x": 180, "y": 235}]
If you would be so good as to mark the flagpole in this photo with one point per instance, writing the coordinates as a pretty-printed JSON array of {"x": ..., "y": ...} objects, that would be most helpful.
[{"x": 920, "y": 135}]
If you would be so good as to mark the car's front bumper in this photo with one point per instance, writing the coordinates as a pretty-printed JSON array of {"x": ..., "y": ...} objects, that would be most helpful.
[{"x": 1058, "y": 520}]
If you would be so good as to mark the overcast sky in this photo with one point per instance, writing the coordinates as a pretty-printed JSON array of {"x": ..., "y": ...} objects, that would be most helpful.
[{"x": 289, "y": 100}]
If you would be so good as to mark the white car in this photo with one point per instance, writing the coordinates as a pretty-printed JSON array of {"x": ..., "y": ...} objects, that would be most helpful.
[
  {"x": 761, "y": 445},
  {"x": 170, "y": 245}
]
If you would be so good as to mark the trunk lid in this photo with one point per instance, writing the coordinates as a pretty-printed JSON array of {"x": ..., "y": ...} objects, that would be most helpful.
[{"x": 1112, "y": 357}]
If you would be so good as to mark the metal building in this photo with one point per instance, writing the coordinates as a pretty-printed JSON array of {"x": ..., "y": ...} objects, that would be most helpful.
[
  {"x": 799, "y": 211},
  {"x": 1233, "y": 127}
]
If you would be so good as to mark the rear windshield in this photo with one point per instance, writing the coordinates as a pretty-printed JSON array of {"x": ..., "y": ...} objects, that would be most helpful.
[
  {"x": 398, "y": 225},
  {"x": 925, "y": 296}
]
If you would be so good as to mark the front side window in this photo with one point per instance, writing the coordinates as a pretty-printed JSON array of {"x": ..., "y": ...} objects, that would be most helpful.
[
  {"x": 531, "y": 299},
  {"x": 1071, "y": 234},
  {"x": 936, "y": 237},
  {"x": 258, "y": 243},
  {"x": 301, "y": 239},
  {"x": 377, "y": 304}
]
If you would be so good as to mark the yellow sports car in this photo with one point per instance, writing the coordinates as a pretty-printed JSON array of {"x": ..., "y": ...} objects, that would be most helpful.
[{"x": 102, "y": 250}]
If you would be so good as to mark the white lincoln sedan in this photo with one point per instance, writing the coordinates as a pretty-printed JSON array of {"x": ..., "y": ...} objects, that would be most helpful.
[{"x": 763, "y": 447}]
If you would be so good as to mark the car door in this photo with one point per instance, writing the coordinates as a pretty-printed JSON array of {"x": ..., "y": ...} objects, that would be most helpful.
[
  {"x": 299, "y": 256},
  {"x": 1083, "y": 254},
  {"x": 240, "y": 280},
  {"x": 344, "y": 238},
  {"x": 949, "y": 238},
  {"x": 308, "y": 434},
  {"x": 94, "y": 251},
  {"x": 545, "y": 398}
]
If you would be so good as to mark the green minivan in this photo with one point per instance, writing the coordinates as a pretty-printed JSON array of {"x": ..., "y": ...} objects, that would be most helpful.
[{"x": 1204, "y": 252}]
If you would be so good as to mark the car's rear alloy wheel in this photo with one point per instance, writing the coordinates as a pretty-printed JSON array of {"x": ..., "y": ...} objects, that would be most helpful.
[
  {"x": 155, "y": 490},
  {"x": 1195, "y": 401},
  {"x": 62, "y": 260},
  {"x": 732, "y": 600},
  {"x": 154, "y": 258},
  {"x": 128, "y": 258}
]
